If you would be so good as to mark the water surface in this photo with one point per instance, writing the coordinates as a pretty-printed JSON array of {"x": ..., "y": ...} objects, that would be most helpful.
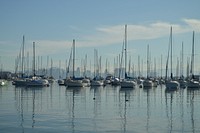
[{"x": 98, "y": 109}]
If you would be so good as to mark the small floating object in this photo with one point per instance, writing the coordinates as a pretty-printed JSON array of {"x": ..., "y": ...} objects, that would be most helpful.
[{"x": 94, "y": 98}]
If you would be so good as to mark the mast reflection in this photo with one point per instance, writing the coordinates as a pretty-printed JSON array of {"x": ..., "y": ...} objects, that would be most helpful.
[
  {"x": 124, "y": 98},
  {"x": 191, "y": 100},
  {"x": 70, "y": 95},
  {"x": 169, "y": 108}
]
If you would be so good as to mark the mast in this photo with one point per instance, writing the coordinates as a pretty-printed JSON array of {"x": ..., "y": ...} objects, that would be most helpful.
[
  {"x": 171, "y": 50},
  {"x": 129, "y": 66},
  {"x": 125, "y": 50},
  {"x": 99, "y": 66},
  {"x": 139, "y": 66},
  {"x": 27, "y": 63},
  {"x": 106, "y": 70},
  {"x": 142, "y": 69},
  {"x": 85, "y": 65},
  {"x": 177, "y": 68},
  {"x": 166, "y": 72},
  {"x": 120, "y": 68},
  {"x": 73, "y": 57},
  {"x": 34, "y": 59},
  {"x": 161, "y": 67},
  {"x": 188, "y": 73},
  {"x": 41, "y": 65},
  {"x": 51, "y": 72},
  {"x": 192, "y": 58},
  {"x": 182, "y": 62},
  {"x": 95, "y": 54},
  {"x": 147, "y": 61},
  {"x": 155, "y": 68},
  {"x": 47, "y": 69},
  {"x": 59, "y": 69},
  {"x": 23, "y": 56}
]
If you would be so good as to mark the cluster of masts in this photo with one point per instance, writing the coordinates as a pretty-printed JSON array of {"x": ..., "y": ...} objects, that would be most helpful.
[{"x": 127, "y": 81}]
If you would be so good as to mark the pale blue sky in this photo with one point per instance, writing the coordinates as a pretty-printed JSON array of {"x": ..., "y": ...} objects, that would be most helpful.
[{"x": 53, "y": 24}]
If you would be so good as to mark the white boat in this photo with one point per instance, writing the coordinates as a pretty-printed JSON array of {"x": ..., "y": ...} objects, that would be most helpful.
[
  {"x": 60, "y": 80},
  {"x": 107, "y": 81},
  {"x": 37, "y": 82},
  {"x": 86, "y": 82},
  {"x": 127, "y": 83},
  {"x": 181, "y": 80},
  {"x": 73, "y": 83},
  {"x": 115, "y": 81},
  {"x": 192, "y": 83},
  {"x": 171, "y": 84},
  {"x": 147, "y": 83},
  {"x": 140, "y": 81},
  {"x": 20, "y": 82},
  {"x": 97, "y": 83}
]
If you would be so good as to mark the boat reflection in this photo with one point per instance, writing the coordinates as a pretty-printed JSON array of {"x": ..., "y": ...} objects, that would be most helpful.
[
  {"x": 124, "y": 99},
  {"x": 169, "y": 101},
  {"x": 192, "y": 97},
  {"x": 25, "y": 98},
  {"x": 70, "y": 94},
  {"x": 99, "y": 109}
]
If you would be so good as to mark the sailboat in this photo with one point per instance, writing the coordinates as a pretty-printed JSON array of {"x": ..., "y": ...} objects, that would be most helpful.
[
  {"x": 147, "y": 83},
  {"x": 21, "y": 81},
  {"x": 60, "y": 80},
  {"x": 171, "y": 84},
  {"x": 97, "y": 80},
  {"x": 127, "y": 83},
  {"x": 36, "y": 81},
  {"x": 192, "y": 83},
  {"x": 72, "y": 81},
  {"x": 181, "y": 80},
  {"x": 117, "y": 80}
]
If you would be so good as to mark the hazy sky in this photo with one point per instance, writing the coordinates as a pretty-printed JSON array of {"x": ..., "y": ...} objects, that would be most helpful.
[{"x": 99, "y": 24}]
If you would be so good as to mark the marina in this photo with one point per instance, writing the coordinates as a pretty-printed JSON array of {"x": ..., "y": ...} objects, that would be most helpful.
[
  {"x": 98, "y": 109},
  {"x": 99, "y": 66}
]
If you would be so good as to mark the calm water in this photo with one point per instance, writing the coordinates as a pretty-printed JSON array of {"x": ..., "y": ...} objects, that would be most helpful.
[{"x": 101, "y": 109}]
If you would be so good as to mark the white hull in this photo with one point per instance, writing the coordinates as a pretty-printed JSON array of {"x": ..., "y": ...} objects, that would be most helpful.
[
  {"x": 37, "y": 82},
  {"x": 20, "y": 82},
  {"x": 147, "y": 83},
  {"x": 116, "y": 81},
  {"x": 107, "y": 82},
  {"x": 97, "y": 83},
  {"x": 74, "y": 83},
  {"x": 193, "y": 84},
  {"x": 86, "y": 82}
]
